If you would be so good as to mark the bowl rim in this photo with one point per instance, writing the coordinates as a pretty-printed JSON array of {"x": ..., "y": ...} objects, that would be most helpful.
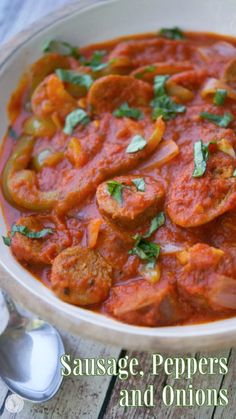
[{"x": 186, "y": 335}]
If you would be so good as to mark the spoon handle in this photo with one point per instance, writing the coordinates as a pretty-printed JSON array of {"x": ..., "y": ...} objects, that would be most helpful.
[
  {"x": 14, "y": 317},
  {"x": 4, "y": 314},
  {"x": 10, "y": 305}
]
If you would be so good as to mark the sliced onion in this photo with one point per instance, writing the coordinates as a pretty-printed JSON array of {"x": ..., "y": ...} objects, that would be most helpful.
[
  {"x": 223, "y": 291},
  {"x": 180, "y": 92},
  {"x": 152, "y": 275},
  {"x": 212, "y": 85},
  {"x": 223, "y": 48},
  {"x": 75, "y": 152},
  {"x": 225, "y": 146},
  {"x": 230, "y": 71},
  {"x": 39, "y": 127},
  {"x": 157, "y": 134},
  {"x": 166, "y": 151},
  {"x": 39, "y": 160},
  {"x": 93, "y": 231},
  {"x": 170, "y": 248},
  {"x": 47, "y": 158},
  {"x": 220, "y": 49}
]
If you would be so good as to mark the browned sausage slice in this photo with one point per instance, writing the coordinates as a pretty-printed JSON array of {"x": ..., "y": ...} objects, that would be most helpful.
[
  {"x": 196, "y": 201},
  {"x": 81, "y": 276},
  {"x": 208, "y": 277},
  {"x": 135, "y": 206},
  {"x": 146, "y": 304},
  {"x": 141, "y": 52},
  {"x": 43, "y": 250},
  {"x": 109, "y": 92}
]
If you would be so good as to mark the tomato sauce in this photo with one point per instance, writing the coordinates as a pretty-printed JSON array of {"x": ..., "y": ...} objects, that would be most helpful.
[{"x": 119, "y": 176}]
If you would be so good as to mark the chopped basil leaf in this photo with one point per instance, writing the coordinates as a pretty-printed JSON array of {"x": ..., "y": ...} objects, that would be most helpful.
[
  {"x": 125, "y": 110},
  {"x": 115, "y": 190},
  {"x": 79, "y": 116},
  {"x": 162, "y": 104},
  {"x": 75, "y": 78},
  {"x": 172, "y": 33},
  {"x": 95, "y": 62},
  {"x": 6, "y": 240},
  {"x": 201, "y": 155},
  {"x": 159, "y": 85},
  {"x": 12, "y": 133},
  {"x": 166, "y": 107},
  {"x": 63, "y": 48},
  {"x": 140, "y": 184},
  {"x": 17, "y": 228},
  {"x": 137, "y": 143},
  {"x": 220, "y": 120},
  {"x": 145, "y": 250},
  {"x": 156, "y": 222},
  {"x": 219, "y": 97}
]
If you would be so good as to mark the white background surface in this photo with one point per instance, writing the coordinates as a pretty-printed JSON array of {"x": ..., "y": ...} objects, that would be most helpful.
[{"x": 15, "y": 15}]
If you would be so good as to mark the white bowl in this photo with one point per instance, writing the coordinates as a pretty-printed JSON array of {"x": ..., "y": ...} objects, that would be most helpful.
[{"x": 87, "y": 23}]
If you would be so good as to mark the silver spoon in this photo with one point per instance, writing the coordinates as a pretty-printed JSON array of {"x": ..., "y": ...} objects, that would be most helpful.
[{"x": 30, "y": 352}]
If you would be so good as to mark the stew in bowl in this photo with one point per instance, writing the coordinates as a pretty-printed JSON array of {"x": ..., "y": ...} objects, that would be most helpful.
[{"x": 119, "y": 176}]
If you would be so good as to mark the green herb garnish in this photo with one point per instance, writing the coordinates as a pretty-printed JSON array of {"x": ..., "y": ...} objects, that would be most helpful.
[
  {"x": 140, "y": 184},
  {"x": 145, "y": 250},
  {"x": 79, "y": 116},
  {"x": 125, "y": 111},
  {"x": 201, "y": 155},
  {"x": 220, "y": 120},
  {"x": 95, "y": 63},
  {"x": 162, "y": 104},
  {"x": 156, "y": 222},
  {"x": 6, "y": 240},
  {"x": 137, "y": 143},
  {"x": 159, "y": 85},
  {"x": 219, "y": 97},
  {"x": 75, "y": 78},
  {"x": 115, "y": 190},
  {"x": 63, "y": 48},
  {"x": 172, "y": 33},
  {"x": 17, "y": 228}
]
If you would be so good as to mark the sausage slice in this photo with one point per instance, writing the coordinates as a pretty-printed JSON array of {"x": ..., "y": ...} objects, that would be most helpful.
[
  {"x": 42, "y": 250},
  {"x": 146, "y": 304},
  {"x": 81, "y": 276},
  {"x": 207, "y": 280},
  {"x": 196, "y": 201},
  {"x": 135, "y": 207},
  {"x": 109, "y": 92}
]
